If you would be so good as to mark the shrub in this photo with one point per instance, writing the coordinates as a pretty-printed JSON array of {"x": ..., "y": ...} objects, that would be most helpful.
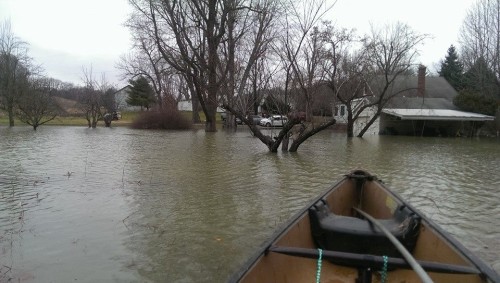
[
  {"x": 169, "y": 119},
  {"x": 474, "y": 102}
]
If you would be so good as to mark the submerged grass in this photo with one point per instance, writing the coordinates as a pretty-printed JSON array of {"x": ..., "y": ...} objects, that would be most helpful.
[{"x": 127, "y": 118}]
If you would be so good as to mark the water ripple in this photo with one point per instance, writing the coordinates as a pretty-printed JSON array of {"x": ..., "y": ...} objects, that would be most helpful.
[{"x": 153, "y": 206}]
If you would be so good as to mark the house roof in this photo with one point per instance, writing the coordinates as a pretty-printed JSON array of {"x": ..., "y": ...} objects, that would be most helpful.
[
  {"x": 421, "y": 103},
  {"x": 439, "y": 94},
  {"x": 123, "y": 88},
  {"x": 436, "y": 114}
]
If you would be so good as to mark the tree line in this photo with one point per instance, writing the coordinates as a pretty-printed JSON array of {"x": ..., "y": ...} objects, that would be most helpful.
[
  {"x": 476, "y": 73},
  {"x": 27, "y": 94},
  {"x": 236, "y": 54},
  {"x": 24, "y": 92}
]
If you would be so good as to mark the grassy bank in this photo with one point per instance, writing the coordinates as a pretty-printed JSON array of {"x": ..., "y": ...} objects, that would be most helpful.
[{"x": 126, "y": 119}]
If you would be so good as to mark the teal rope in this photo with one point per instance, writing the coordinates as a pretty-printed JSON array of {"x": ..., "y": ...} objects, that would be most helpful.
[
  {"x": 318, "y": 271},
  {"x": 384, "y": 270}
]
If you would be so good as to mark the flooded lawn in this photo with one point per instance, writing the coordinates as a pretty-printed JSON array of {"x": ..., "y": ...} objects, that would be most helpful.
[{"x": 122, "y": 205}]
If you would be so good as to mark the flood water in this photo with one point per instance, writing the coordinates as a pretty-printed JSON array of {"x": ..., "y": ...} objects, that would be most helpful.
[{"x": 122, "y": 205}]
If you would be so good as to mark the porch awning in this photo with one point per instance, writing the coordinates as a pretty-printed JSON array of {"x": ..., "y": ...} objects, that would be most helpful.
[{"x": 436, "y": 114}]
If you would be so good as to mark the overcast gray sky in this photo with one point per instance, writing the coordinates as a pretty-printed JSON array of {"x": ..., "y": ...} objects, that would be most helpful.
[{"x": 66, "y": 35}]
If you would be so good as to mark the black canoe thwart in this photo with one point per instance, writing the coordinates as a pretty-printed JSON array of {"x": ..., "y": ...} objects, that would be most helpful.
[
  {"x": 351, "y": 234},
  {"x": 372, "y": 261},
  {"x": 366, "y": 233}
]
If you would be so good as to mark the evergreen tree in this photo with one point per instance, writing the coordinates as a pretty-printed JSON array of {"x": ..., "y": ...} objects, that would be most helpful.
[
  {"x": 475, "y": 102},
  {"x": 452, "y": 69},
  {"x": 141, "y": 93},
  {"x": 481, "y": 79},
  {"x": 481, "y": 91}
]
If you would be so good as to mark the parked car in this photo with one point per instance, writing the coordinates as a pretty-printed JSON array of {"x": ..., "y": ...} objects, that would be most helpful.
[
  {"x": 254, "y": 119},
  {"x": 274, "y": 121}
]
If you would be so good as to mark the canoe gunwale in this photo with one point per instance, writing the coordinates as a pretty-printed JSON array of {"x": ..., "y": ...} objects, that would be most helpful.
[
  {"x": 486, "y": 271},
  {"x": 373, "y": 262},
  {"x": 282, "y": 230}
]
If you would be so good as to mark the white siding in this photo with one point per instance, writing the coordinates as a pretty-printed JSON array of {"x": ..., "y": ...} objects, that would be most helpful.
[
  {"x": 121, "y": 101},
  {"x": 340, "y": 114},
  {"x": 363, "y": 119},
  {"x": 187, "y": 105}
]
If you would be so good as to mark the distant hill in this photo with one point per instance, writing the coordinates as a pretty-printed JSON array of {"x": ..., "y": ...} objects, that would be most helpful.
[{"x": 69, "y": 106}]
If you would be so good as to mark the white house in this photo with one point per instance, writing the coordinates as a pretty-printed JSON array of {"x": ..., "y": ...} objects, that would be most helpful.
[
  {"x": 121, "y": 100},
  {"x": 340, "y": 115},
  {"x": 187, "y": 105},
  {"x": 426, "y": 108}
]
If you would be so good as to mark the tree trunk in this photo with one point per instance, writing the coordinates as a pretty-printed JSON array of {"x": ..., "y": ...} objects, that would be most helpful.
[
  {"x": 230, "y": 121},
  {"x": 307, "y": 134},
  {"x": 11, "y": 116},
  {"x": 213, "y": 84},
  {"x": 210, "y": 124},
  {"x": 284, "y": 145},
  {"x": 350, "y": 125},
  {"x": 108, "y": 118},
  {"x": 94, "y": 121},
  {"x": 368, "y": 125}
]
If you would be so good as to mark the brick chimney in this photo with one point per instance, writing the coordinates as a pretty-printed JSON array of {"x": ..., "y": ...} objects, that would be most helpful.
[{"x": 421, "y": 81}]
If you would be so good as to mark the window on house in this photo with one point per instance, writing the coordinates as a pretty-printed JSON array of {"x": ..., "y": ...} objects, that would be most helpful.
[{"x": 342, "y": 110}]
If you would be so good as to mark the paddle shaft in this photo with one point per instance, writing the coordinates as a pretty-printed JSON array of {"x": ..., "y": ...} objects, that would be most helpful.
[
  {"x": 372, "y": 261},
  {"x": 409, "y": 258}
]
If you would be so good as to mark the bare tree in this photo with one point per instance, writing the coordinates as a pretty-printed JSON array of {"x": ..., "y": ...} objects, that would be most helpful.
[
  {"x": 213, "y": 44},
  {"x": 480, "y": 35},
  {"x": 302, "y": 55},
  {"x": 391, "y": 52},
  {"x": 146, "y": 60},
  {"x": 299, "y": 69},
  {"x": 250, "y": 31},
  {"x": 261, "y": 75},
  {"x": 188, "y": 36},
  {"x": 14, "y": 69},
  {"x": 37, "y": 106},
  {"x": 346, "y": 70},
  {"x": 93, "y": 97},
  {"x": 348, "y": 84}
]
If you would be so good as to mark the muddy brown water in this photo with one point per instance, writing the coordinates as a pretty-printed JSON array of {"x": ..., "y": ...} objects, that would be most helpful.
[{"x": 122, "y": 205}]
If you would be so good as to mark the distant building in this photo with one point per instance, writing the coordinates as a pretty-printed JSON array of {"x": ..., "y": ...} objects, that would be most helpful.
[
  {"x": 187, "y": 105},
  {"x": 426, "y": 109},
  {"x": 121, "y": 100}
]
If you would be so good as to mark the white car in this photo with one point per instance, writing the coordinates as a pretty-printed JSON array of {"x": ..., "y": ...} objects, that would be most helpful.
[{"x": 274, "y": 121}]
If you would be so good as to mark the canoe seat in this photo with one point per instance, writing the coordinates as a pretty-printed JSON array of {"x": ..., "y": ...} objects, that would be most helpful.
[{"x": 351, "y": 234}]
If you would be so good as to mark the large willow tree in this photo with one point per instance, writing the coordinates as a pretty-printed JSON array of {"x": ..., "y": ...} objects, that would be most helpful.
[{"x": 203, "y": 41}]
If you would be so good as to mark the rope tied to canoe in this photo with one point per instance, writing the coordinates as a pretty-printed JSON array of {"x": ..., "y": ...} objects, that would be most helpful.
[
  {"x": 318, "y": 270},
  {"x": 384, "y": 269}
]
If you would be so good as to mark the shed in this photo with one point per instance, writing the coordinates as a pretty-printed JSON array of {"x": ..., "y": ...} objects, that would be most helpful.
[
  {"x": 425, "y": 108},
  {"x": 430, "y": 122}
]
